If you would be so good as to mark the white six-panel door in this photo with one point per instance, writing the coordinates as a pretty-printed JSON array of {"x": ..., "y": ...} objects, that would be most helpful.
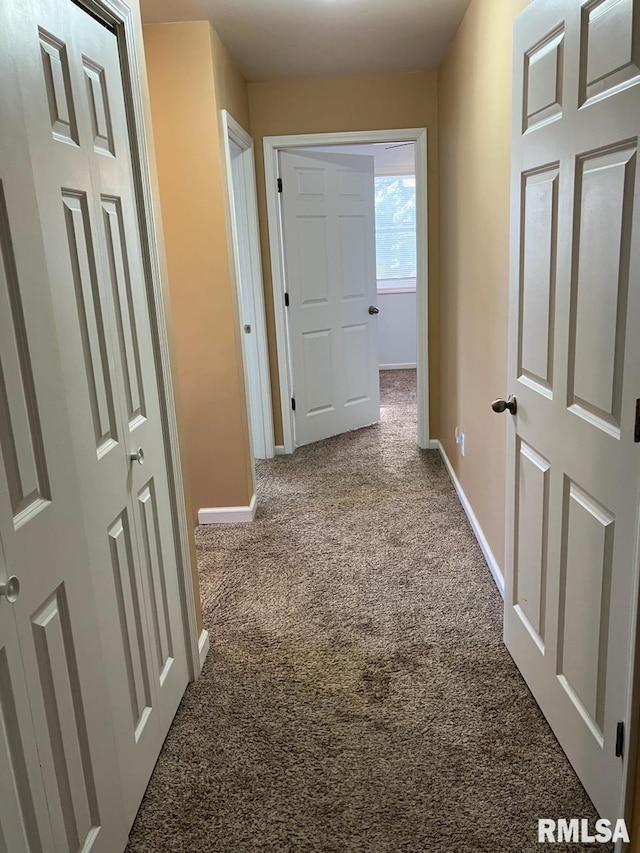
[
  {"x": 574, "y": 456},
  {"x": 59, "y": 779},
  {"x": 79, "y": 145},
  {"x": 328, "y": 220},
  {"x": 87, "y": 693}
]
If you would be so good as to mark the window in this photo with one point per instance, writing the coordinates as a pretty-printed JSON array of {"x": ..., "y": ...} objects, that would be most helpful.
[{"x": 396, "y": 231}]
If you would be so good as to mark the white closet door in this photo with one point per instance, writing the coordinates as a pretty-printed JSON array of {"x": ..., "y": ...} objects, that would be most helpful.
[
  {"x": 44, "y": 545},
  {"x": 79, "y": 144},
  {"x": 328, "y": 216}
]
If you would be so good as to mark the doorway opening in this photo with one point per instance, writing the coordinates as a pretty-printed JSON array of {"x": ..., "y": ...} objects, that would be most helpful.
[
  {"x": 394, "y": 175},
  {"x": 400, "y": 263}
]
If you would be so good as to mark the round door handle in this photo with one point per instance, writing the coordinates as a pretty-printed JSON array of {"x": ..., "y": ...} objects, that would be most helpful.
[
  {"x": 373, "y": 309},
  {"x": 500, "y": 406},
  {"x": 137, "y": 456},
  {"x": 11, "y": 589}
]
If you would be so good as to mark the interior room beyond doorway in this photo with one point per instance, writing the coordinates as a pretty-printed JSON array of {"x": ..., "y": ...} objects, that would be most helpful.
[{"x": 399, "y": 159}]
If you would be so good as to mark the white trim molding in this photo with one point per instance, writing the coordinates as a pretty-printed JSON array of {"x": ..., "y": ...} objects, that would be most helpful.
[
  {"x": 272, "y": 146},
  {"x": 245, "y": 246},
  {"x": 494, "y": 568},
  {"x": 402, "y": 285},
  {"x": 203, "y": 646},
  {"x": 228, "y": 514},
  {"x": 399, "y": 367}
]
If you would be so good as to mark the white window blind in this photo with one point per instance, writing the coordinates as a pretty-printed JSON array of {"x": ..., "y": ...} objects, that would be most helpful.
[{"x": 395, "y": 229}]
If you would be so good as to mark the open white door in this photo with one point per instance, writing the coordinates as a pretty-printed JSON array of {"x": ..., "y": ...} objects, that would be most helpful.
[
  {"x": 574, "y": 456},
  {"x": 246, "y": 249},
  {"x": 328, "y": 217}
]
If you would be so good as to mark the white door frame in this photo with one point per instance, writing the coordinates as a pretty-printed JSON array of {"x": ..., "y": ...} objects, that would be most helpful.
[
  {"x": 272, "y": 147},
  {"x": 123, "y": 17},
  {"x": 246, "y": 255}
]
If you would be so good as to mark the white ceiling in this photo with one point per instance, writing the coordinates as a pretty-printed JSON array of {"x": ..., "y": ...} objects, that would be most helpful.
[
  {"x": 323, "y": 38},
  {"x": 387, "y": 155}
]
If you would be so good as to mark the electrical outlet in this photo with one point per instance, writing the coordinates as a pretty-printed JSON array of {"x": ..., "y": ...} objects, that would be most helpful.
[{"x": 459, "y": 437}]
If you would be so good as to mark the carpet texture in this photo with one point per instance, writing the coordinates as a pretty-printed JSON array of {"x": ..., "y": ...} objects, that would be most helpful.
[{"x": 357, "y": 696}]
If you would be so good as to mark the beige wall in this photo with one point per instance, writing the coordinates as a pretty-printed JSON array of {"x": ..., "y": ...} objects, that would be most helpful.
[
  {"x": 191, "y": 75},
  {"x": 369, "y": 102},
  {"x": 231, "y": 88},
  {"x": 474, "y": 95}
]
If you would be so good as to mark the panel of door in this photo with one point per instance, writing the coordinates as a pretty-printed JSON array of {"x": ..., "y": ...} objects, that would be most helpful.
[
  {"x": 328, "y": 216},
  {"x": 68, "y": 718},
  {"x": 24, "y": 817},
  {"x": 80, "y": 148},
  {"x": 572, "y": 526}
]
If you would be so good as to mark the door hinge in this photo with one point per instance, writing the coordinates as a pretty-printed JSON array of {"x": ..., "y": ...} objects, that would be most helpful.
[
  {"x": 293, "y": 403},
  {"x": 279, "y": 185},
  {"x": 286, "y": 300},
  {"x": 636, "y": 432},
  {"x": 619, "y": 739}
]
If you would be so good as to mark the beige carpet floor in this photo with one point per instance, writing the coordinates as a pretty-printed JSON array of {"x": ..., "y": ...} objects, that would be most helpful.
[{"x": 357, "y": 697}]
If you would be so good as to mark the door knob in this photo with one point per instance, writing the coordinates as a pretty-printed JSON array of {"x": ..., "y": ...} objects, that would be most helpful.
[
  {"x": 10, "y": 589},
  {"x": 500, "y": 406},
  {"x": 373, "y": 309},
  {"x": 137, "y": 456}
]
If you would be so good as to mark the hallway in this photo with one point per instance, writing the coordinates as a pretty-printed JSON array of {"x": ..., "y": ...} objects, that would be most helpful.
[{"x": 357, "y": 695}]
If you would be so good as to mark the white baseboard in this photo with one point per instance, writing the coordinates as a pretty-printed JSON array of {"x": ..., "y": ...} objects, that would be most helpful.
[
  {"x": 434, "y": 444},
  {"x": 280, "y": 451},
  {"x": 203, "y": 646},
  {"x": 397, "y": 366},
  {"x": 494, "y": 568},
  {"x": 227, "y": 514}
]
